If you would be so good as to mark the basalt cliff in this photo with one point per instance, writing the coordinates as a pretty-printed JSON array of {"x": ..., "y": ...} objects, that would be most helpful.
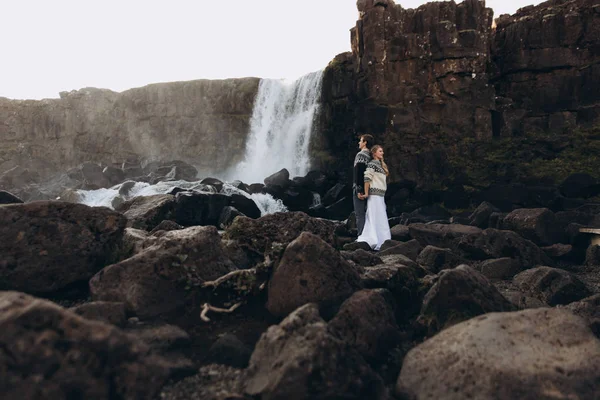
[{"x": 438, "y": 85}]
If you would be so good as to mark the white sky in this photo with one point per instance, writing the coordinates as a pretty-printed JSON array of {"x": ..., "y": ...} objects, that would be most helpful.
[{"x": 48, "y": 46}]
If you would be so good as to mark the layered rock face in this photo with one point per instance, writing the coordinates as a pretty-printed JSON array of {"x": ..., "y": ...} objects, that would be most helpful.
[
  {"x": 546, "y": 68},
  {"x": 424, "y": 80},
  {"x": 414, "y": 77},
  {"x": 193, "y": 121}
]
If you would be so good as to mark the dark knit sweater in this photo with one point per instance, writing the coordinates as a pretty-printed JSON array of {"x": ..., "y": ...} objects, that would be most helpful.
[{"x": 360, "y": 165}]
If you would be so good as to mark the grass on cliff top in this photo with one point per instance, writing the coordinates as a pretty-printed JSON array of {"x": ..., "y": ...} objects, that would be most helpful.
[{"x": 545, "y": 158}]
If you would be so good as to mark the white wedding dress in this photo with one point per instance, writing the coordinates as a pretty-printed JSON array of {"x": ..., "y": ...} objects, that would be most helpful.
[{"x": 377, "y": 228}]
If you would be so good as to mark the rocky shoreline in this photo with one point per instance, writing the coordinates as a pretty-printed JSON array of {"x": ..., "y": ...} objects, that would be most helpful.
[{"x": 196, "y": 295}]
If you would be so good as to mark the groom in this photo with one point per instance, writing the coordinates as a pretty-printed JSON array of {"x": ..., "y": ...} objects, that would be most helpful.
[{"x": 360, "y": 165}]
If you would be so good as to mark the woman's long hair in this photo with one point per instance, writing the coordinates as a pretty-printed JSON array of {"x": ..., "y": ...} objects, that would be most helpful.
[{"x": 383, "y": 164}]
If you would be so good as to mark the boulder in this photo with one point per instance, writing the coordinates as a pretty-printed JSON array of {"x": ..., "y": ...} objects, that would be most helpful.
[
  {"x": 166, "y": 225},
  {"x": 109, "y": 312},
  {"x": 410, "y": 249},
  {"x": 589, "y": 310},
  {"x": 280, "y": 178},
  {"x": 481, "y": 216},
  {"x": 457, "y": 295},
  {"x": 367, "y": 322},
  {"x": 229, "y": 350},
  {"x": 500, "y": 268},
  {"x": 9, "y": 198},
  {"x": 401, "y": 233},
  {"x": 440, "y": 235},
  {"x": 402, "y": 282},
  {"x": 361, "y": 257},
  {"x": 579, "y": 185},
  {"x": 551, "y": 285},
  {"x": 157, "y": 280},
  {"x": 56, "y": 354},
  {"x": 257, "y": 235},
  {"x": 300, "y": 359},
  {"x": 532, "y": 354},
  {"x": 193, "y": 209},
  {"x": 146, "y": 212},
  {"x": 47, "y": 246},
  {"x": 310, "y": 271},
  {"x": 536, "y": 224},
  {"x": 494, "y": 243},
  {"x": 436, "y": 259},
  {"x": 245, "y": 205},
  {"x": 228, "y": 214}
]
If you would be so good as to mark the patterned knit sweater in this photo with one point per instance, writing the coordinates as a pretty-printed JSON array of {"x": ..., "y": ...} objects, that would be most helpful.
[
  {"x": 360, "y": 165},
  {"x": 375, "y": 175}
]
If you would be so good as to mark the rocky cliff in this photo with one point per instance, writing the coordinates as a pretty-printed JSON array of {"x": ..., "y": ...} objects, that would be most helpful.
[
  {"x": 203, "y": 122},
  {"x": 425, "y": 81}
]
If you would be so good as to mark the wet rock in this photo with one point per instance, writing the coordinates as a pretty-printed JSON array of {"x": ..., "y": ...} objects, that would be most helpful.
[
  {"x": 56, "y": 354},
  {"x": 146, "y": 212},
  {"x": 300, "y": 359},
  {"x": 506, "y": 356},
  {"x": 9, "y": 198},
  {"x": 367, "y": 322},
  {"x": 558, "y": 250},
  {"x": 134, "y": 241},
  {"x": 227, "y": 216},
  {"x": 310, "y": 271},
  {"x": 245, "y": 205},
  {"x": 353, "y": 246},
  {"x": 494, "y": 243},
  {"x": 113, "y": 175},
  {"x": 193, "y": 209},
  {"x": 157, "y": 280},
  {"x": 280, "y": 178},
  {"x": 551, "y": 285},
  {"x": 457, "y": 295},
  {"x": 49, "y": 245},
  {"x": 105, "y": 311},
  {"x": 214, "y": 182}
]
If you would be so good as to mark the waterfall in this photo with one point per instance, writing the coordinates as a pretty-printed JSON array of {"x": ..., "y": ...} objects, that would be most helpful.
[{"x": 280, "y": 128}]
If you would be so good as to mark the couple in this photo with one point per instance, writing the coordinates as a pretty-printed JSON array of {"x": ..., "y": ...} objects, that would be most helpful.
[{"x": 370, "y": 174}]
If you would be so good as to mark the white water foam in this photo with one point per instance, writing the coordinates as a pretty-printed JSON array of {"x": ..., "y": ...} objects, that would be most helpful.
[
  {"x": 266, "y": 203},
  {"x": 280, "y": 128}
]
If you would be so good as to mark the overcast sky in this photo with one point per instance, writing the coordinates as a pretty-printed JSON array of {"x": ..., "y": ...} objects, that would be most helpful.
[{"x": 49, "y": 46}]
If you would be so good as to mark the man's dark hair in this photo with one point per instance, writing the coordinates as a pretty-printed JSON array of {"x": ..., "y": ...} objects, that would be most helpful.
[{"x": 369, "y": 139}]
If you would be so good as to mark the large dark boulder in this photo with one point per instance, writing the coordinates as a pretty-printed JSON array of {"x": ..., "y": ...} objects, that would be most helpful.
[
  {"x": 300, "y": 359},
  {"x": 580, "y": 185},
  {"x": 52, "y": 353},
  {"x": 157, "y": 280},
  {"x": 551, "y": 285},
  {"x": 9, "y": 198},
  {"x": 536, "y": 224},
  {"x": 494, "y": 243},
  {"x": 146, "y": 212},
  {"x": 367, "y": 322},
  {"x": 530, "y": 355},
  {"x": 47, "y": 246},
  {"x": 440, "y": 235},
  {"x": 199, "y": 208},
  {"x": 257, "y": 235},
  {"x": 310, "y": 271},
  {"x": 457, "y": 295}
]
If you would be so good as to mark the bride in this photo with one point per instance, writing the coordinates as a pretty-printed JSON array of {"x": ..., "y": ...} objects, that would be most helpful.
[{"x": 377, "y": 229}]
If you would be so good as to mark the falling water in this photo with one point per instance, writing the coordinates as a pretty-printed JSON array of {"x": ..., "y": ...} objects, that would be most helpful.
[{"x": 280, "y": 128}]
